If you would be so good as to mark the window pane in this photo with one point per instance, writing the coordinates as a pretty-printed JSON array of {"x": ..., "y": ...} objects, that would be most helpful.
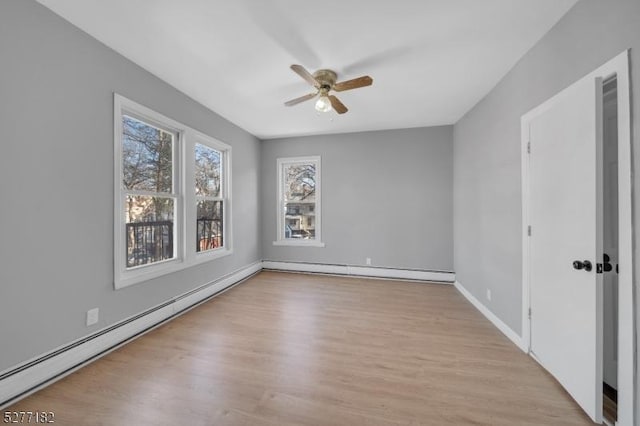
[
  {"x": 208, "y": 171},
  {"x": 300, "y": 221},
  {"x": 147, "y": 156},
  {"x": 210, "y": 225},
  {"x": 300, "y": 182},
  {"x": 149, "y": 229}
]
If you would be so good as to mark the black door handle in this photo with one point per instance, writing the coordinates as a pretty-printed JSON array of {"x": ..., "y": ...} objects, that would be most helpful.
[
  {"x": 585, "y": 264},
  {"x": 607, "y": 262}
]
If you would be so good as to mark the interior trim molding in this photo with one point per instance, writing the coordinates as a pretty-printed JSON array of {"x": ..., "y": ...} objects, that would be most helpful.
[
  {"x": 24, "y": 379},
  {"x": 362, "y": 271},
  {"x": 504, "y": 328}
]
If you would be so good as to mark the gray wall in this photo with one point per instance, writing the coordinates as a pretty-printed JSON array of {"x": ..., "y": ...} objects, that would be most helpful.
[
  {"x": 56, "y": 177},
  {"x": 56, "y": 182},
  {"x": 386, "y": 195},
  {"x": 487, "y": 183}
]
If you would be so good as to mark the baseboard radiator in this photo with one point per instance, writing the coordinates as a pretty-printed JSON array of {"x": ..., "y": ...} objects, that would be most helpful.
[
  {"x": 421, "y": 275},
  {"x": 21, "y": 381}
]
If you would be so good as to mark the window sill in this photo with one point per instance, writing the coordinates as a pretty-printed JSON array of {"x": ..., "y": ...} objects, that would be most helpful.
[
  {"x": 299, "y": 243},
  {"x": 206, "y": 256},
  {"x": 146, "y": 273}
]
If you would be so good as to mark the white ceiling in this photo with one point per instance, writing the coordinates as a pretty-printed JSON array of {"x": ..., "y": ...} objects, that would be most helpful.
[{"x": 430, "y": 60}]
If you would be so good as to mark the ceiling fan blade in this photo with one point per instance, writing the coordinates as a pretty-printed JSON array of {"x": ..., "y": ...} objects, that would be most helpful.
[
  {"x": 300, "y": 99},
  {"x": 353, "y": 84},
  {"x": 337, "y": 105},
  {"x": 302, "y": 72}
]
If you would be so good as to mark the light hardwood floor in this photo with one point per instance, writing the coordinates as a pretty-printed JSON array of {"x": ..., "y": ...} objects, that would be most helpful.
[{"x": 292, "y": 349}]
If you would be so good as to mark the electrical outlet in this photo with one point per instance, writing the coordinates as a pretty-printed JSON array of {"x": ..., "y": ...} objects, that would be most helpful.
[
  {"x": 489, "y": 295},
  {"x": 368, "y": 261},
  {"x": 92, "y": 316}
]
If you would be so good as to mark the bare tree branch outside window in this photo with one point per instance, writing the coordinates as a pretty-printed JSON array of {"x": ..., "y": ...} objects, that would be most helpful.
[{"x": 300, "y": 182}]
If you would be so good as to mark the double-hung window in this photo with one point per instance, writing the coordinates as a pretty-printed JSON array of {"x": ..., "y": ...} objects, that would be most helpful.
[
  {"x": 299, "y": 209},
  {"x": 172, "y": 197},
  {"x": 210, "y": 189}
]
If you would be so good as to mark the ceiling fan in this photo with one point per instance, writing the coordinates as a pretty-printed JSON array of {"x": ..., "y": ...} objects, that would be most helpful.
[{"x": 325, "y": 81}]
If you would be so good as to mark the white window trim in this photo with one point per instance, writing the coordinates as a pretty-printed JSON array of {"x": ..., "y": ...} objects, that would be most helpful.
[
  {"x": 280, "y": 239},
  {"x": 183, "y": 191}
]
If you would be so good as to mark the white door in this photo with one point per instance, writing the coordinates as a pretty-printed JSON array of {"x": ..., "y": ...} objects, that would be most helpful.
[{"x": 566, "y": 227}]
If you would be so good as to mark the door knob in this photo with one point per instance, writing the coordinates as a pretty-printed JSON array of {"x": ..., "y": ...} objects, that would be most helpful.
[{"x": 585, "y": 264}]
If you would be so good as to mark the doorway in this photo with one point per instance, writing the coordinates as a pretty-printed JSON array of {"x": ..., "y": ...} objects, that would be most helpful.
[
  {"x": 610, "y": 248},
  {"x": 577, "y": 241}
]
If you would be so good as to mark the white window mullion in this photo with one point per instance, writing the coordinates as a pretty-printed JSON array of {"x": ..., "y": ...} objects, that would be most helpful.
[{"x": 189, "y": 198}]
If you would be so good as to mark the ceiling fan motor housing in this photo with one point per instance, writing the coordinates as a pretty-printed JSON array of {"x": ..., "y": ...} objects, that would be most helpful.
[{"x": 326, "y": 78}]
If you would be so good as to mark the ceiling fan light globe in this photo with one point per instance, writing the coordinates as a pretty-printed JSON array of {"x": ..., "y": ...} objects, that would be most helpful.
[{"x": 323, "y": 104}]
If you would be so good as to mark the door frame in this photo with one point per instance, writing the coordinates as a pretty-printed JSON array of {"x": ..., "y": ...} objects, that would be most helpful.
[{"x": 618, "y": 66}]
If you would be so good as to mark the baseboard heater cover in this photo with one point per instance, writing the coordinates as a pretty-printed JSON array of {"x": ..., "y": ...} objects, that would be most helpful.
[
  {"x": 31, "y": 376},
  {"x": 362, "y": 271}
]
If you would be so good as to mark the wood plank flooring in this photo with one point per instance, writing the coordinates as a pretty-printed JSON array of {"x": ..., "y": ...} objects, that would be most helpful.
[
  {"x": 293, "y": 349},
  {"x": 610, "y": 409}
]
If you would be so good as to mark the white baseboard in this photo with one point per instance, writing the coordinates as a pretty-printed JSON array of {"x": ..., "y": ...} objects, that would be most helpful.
[
  {"x": 62, "y": 361},
  {"x": 504, "y": 328},
  {"x": 362, "y": 271}
]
